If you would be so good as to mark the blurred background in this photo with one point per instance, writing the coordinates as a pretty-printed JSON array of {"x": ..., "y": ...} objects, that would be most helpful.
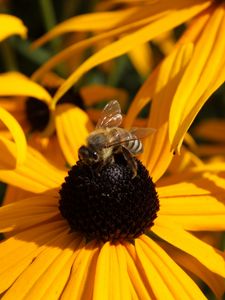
[{"x": 126, "y": 72}]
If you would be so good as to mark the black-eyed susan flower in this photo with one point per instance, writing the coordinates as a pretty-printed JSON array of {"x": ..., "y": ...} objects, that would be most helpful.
[
  {"x": 45, "y": 126},
  {"x": 72, "y": 238},
  {"x": 35, "y": 115},
  {"x": 108, "y": 241},
  {"x": 16, "y": 84},
  {"x": 11, "y": 25}
]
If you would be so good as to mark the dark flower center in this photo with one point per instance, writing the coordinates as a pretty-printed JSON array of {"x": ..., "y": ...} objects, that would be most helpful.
[
  {"x": 106, "y": 203},
  {"x": 38, "y": 113}
]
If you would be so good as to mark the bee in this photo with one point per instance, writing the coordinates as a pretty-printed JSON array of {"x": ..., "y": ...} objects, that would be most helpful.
[{"x": 109, "y": 139}]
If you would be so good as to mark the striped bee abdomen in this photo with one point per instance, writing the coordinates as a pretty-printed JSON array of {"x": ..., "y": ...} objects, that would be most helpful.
[
  {"x": 134, "y": 145},
  {"x": 120, "y": 136}
]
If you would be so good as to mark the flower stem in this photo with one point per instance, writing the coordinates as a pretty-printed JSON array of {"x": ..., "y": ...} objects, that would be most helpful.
[
  {"x": 117, "y": 71},
  {"x": 69, "y": 9},
  {"x": 50, "y": 21},
  {"x": 48, "y": 14},
  {"x": 8, "y": 56}
]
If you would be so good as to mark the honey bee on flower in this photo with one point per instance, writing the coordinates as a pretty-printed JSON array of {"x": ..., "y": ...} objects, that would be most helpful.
[{"x": 109, "y": 139}]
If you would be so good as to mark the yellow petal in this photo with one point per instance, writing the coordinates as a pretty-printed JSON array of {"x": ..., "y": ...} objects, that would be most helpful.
[
  {"x": 192, "y": 265},
  {"x": 114, "y": 269},
  {"x": 206, "y": 254},
  {"x": 159, "y": 16},
  {"x": 63, "y": 275},
  {"x": 194, "y": 206},
  {"x": 13, "y": 194},
  {"x": 16, "y": 84},
  {"x": 49, "y": 147},
  {"x": 31, "y": 211},
  {"x": 160, "y": 86},
  {"x": 72, "y": 127},
  {"x": 102, "y": 280},
  {"x": 95, "y": 93},
  {"x": 152, "y": 276},
  {"x": 165, "y": 42},
  {"x": 36, "y": 174},
  {"x": 142, "y": 59},
  {"x": 142, "y": 98},
  {"x": 193, "y": 187},
  {"x": 57, "y": 261},
  {"x": 130, "y": 41},
  {"x": 167, "y": 279},
  {"x": 79, "y": 46},
  {"x": 17, "y": 133},
  {"x": 138, "y": 282},
  {"x": 14, "y": 106},
  {"x": 185, "y": 160},
  {"x": 208, "y": 222},
  {"x": 81, "y": 281},
  {"x": 87, "y": 22},
  {"x": 40, "y": 272},
  {"x": 123, "y": 278},
  {"x": 111, "y": 274},
  {"x": 11, "y": 25},
  {"x": 217, "y": 165},
  {"x": 159, "y": 154},
  {"x": 204, "y": 74},
  {"x": 195, "y": 27},
  {"x": 26, "y": 245}
]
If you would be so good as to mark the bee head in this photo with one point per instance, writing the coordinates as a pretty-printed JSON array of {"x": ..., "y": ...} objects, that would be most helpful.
[
  {"x": 88, "y": 155},
  {"x": 97, "y": 141}
]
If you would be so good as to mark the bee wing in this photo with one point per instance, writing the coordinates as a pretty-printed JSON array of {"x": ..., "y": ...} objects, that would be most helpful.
[
  {"x": 111, "y": 115},
  {"x": 122, "y": 136},
  {"x": 141, "y": 133}
]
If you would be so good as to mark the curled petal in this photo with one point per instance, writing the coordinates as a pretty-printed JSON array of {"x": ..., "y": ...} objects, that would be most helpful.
[{"x": 11, "y": 25}]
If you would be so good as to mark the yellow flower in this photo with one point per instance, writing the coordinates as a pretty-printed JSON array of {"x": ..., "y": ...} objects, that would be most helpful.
[
  {"x": 35, "y": 115},
  {"x": 205, "y": 72},
  {"x": 40, "y": 121},
  {"x": 186, "y": 79},
  {"x": 11, "y": 25},
  {"x": 115, "y": 243},
  {"x": 11, "y": 84},
  {"x": 138, "y": 24},
  {"x": 202, "y": 71},
  {"x": 42, "y": 257}
]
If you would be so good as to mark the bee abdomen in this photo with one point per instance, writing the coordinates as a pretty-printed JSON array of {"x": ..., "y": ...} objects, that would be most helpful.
[{"x": 134, "y": 146}]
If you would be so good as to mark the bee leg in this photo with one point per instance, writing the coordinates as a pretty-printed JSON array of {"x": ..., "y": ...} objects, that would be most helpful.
[{"x": 130, "y": 160}]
